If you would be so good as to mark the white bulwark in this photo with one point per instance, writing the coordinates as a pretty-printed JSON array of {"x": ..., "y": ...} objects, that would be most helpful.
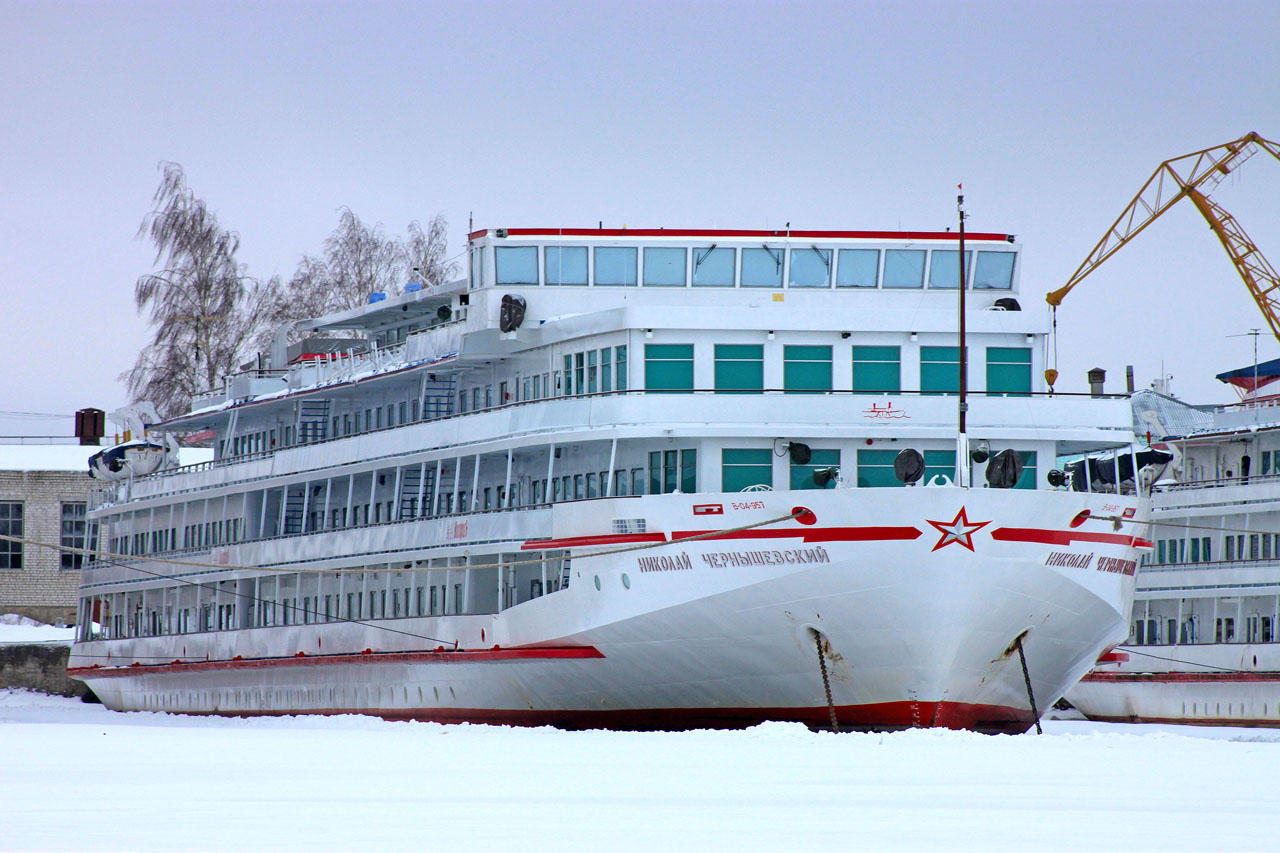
[{"x": 632, "y": 478}]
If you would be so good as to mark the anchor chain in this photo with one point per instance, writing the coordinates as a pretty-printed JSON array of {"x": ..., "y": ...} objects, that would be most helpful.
[
  {"x": 826, "y": 682},
  {"x": 1026, "y": 676}
]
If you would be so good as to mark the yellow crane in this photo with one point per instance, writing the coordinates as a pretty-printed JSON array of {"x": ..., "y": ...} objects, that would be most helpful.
[{"x": 1192, "y": 176}]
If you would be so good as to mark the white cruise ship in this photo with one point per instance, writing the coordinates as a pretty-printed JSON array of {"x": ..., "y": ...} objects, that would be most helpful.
[
  {"x": 633, "y": 478},
  {"x": 1203, "y": 645}
]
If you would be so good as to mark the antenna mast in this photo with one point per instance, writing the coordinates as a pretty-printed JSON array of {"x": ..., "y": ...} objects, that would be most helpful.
[{"x": 962, "y": 439}]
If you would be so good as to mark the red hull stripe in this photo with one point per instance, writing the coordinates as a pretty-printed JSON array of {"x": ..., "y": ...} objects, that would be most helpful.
[
  {"x": 704, "y": 232},
  {"x": 817, "y": 534},
  {"x": 1064, "y": 537},
  {"x": 1182, "y": 677},
  {"x": 584, "y": 541},
  {"x": 477, "y": 656},
  {"x": 886, "y": 715}
]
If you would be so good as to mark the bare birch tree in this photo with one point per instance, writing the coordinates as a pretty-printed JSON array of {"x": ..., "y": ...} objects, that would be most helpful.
[
  {"x": 194, "y": 303},
  {"x": 423, "y": 253}
]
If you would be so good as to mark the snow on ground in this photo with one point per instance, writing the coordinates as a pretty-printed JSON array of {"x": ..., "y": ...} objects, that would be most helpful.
[
  {"x": 76, "y": 776},
  {"x": 20, "y": 629}
]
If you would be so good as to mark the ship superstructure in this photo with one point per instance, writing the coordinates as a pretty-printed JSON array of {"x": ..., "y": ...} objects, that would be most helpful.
[{"x": 632, "y": 478}]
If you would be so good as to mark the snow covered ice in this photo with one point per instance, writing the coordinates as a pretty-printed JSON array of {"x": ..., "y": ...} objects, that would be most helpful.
[{"x": 78, "y": 776}]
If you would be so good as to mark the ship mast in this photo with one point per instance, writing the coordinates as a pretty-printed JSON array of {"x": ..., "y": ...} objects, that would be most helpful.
[{"x": 962, "y": 439}]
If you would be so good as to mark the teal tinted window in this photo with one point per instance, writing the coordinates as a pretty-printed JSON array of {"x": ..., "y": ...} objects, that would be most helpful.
[
  {"x": 1009, "y": 370},
  {"x": 762, "y": 267},
  {"x": 806, "y": 369},
  {"x": 670, "y": 470},
  {"x": 606, "y": 370},
  {"x": 875, "y": 469},
  {"x": 516, "y": 264},
  {"x": 668, "y": 367},
  {"x": 713, "y": 267},
  {"x": 565, "y": 264},
  {"x": 1028, "y": 478},
  {"x": 944, "y": 268},
  {"x": 802, "y": 475},
  {"x": 940, "y": 370},
  {"x": 616, "y": 266},
  {"x": 858, "y": 268},
  {"x": 939, "y": 462},
  {"x": 877, "y": 370},
  {"x": 739, "y": 368},
  {"x": 994, "y": 271},
  {"x": 741, "y": 469},
  {"x": 664, "y": 267},
  {"x": 620, "y": 360},
  {"x": 810, "y": 268},
  {"x": 904, "y": 268}
]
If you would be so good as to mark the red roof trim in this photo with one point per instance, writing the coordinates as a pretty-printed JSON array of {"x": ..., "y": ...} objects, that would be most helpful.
[{"x": 709, "y": 232}]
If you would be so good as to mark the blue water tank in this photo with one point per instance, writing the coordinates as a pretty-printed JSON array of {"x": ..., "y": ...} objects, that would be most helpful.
[
  {"x": 412, "y": 287},
  {"x": 376, "y": 296}
]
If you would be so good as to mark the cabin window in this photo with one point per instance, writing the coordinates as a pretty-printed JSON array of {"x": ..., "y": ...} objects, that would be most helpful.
[
  {"x": 579, "y": 487},
  {"x": 904, "y": 268},
  {"x": 672, "y": 470},
  {"x": 1266, "y": 462},
  {"x": 875, "y": 469},
  {"x": 940, "y": 370},
  {"x": 877, "y": 370},
  {"x": 593, "y": 372},
  {"x": 566, "y": 264},
  {"x": 1195, "y": 550},
  {"x": 858, "y": 268},
  {"x": 579, "y": 375},
  {"x": 994, "y": 271},
  {"x": 739, "y": 369},
  {"x": 944, "y": 268},
  {"x": 615, "y": 266},
  {"x": 1028, "y": 478},
  {"x": 11, "y": 525},
  {"x": 668, "y": 367},
  {"x": 606, "y": 370},
  {"x": 806, "y": 369},
  {"x": 620, "y": 362},
  {"x": 810, "y": 267},
  {"x": 593, "y": 485},
  {"x": 664, "y": 267},
  {"x": 477, "y": 268},
  {"x": 802, "y": 475},
  {"x": 713, "y": 267},
  {"x": 76, "y": 533},
  {"x": 1009, "y": 370},
  {"x": 762, "y": 267},
  {"x": 620, "y": 482},
  {"x": 516, "y": 265},
  {"x": 742, "y": 469}
]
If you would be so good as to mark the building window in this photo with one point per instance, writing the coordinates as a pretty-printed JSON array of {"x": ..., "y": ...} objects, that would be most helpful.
[
  {"x": 994, "y": 271},
  {"x": 858, "y": 268},
  {"x": 739, "y": 368},
  {"x": 940, "y": 370},
  {"x": 10, "y": 525},
  {"x": 516, "y": 264},
  {"x": 877, "y": 370},
  {"x": 944, "y": 268},
  {"x": 616, "y": 266},
  {"x": 762, "y": 267},
  {"x": 74, "y": 529},
  {"x": 566, "y": 264},
  {"x": 1009, "y": 370},
  {"x": 904, "y": 268},
  {"x": 668, "y": 367},
  {"x": 713, "y": 267},
  {"x": 672, "y": 470},
  {"x": 742, "y": 469},
  {"x": 802, "y": 475},
  {"x": 810, "y": 268},
  {"x": 664, "y": 267},
  {"x": 806, "y": 369}
]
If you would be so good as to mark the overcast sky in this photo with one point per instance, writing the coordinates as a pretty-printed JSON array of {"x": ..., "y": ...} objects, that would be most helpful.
[{"x": 842, "y": 116}]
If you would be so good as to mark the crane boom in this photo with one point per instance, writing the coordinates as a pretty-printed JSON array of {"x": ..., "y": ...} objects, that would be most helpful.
[{"x": 1193, "y": 175}]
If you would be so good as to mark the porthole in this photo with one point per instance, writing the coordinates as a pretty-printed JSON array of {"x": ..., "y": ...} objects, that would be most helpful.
[
  {"x": 597, "y": 581},
  {"x": 626, "y": 580}
]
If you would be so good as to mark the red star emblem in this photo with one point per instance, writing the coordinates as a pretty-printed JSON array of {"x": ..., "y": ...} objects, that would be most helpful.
[{"x": 958, "y": 529}]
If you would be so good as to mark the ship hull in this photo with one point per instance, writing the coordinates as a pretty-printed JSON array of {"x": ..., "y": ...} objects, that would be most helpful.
[{"x": 917, "y": 598}]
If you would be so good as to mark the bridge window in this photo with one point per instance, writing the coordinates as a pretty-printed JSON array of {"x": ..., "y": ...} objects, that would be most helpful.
[
  {"x": 742, "y": 469},
  {"x": 858, "y": 268},
  {"x": 516, "y": 264},
  {"x": 877, "y": 370},
  {"x": 904, "y": 268},
  {"x": 762, "y": 267},
  {"x": 810, "y": 268},
  {"x": 566, "y": 264},
  {"x": 713, "y": 267},
  {"x": 944, "y": 268},
  {"x": 664, "y": 267},
  {"x": 616, "y": 266},
  {"x": 994, "y": 271}
]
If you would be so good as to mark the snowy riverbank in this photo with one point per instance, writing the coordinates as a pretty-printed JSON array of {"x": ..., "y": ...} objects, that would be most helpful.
[{"x": 82, "y": 777}]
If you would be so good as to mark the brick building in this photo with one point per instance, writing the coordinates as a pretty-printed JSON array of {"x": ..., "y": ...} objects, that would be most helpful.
[{"x": 44, "y": 492}]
